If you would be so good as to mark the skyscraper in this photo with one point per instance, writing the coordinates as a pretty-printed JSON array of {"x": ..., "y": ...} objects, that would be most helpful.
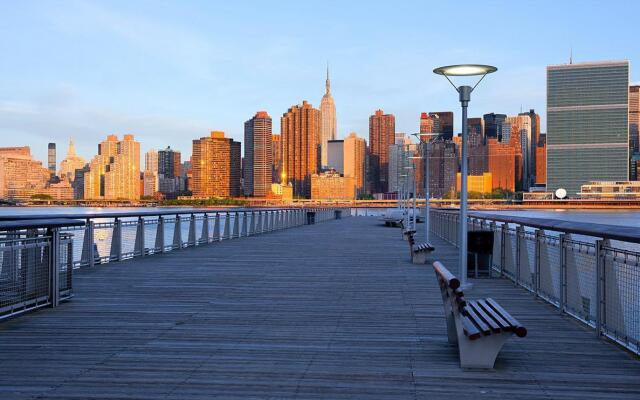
[
  {"x": 493, "y": 125},
  {"x": 335, "y": 155},
  {"x": 355, "y": 153},
  {"x": 634, "y": 117},
  {"x": 20, "y": 175},
  {"x": 150, "y": 174},
  {"x": 476, "y": 125},
  {"x": 382, "y": 129},
  {"x": 328, "y": 123},
  {"x": 443, "y": 167},
  {"x": 169, "y": 163},
  {"x": 300, "y": 144},
  {"x": 588, "y": 124},
  {"x": 114, "y": 173},
  {"x": 258, "y": 155},
  {"x": 521, "y": 125},
  {"x": 51, "y": 158},
  {"x": 216, "y": 166},
  {"x": 532, "y": 149},
  {"x": 276, "y": 157},
  {"x": 443, "y": 124},
  {"x": 69, "y": 165}
]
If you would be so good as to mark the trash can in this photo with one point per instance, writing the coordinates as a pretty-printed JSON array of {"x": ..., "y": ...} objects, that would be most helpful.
[
  {"x": 311, "y": 217},
  {"x": 338, "y": 214},
  {"x": 479, "y": 254}
]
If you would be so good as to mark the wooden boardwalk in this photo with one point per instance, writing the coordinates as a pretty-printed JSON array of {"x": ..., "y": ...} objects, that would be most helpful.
[{"x": 329, "y": 311}]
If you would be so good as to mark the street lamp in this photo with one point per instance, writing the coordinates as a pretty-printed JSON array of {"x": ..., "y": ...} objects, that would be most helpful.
[
  {"x": 427, "y": 178},
  {"x": 413, "y": 170},
  {"x": 464, "y": 93}
]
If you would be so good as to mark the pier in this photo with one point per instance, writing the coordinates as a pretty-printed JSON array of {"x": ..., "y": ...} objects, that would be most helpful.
[{"x": 331, "y": 310}]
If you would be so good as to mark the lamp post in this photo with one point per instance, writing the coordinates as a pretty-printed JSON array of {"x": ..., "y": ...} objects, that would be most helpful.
[
  {"x": 464, "y": 93},
  {"x": 405, "y": 217},
  {"x": 427, "y": 183},
  {"x": 412, "y": 169}
]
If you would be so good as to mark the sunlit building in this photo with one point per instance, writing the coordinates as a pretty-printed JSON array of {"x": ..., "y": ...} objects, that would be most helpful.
[
  {"x": 587, "y": 124},
  {"x": 610, "y": 190},
  {"x": 382, "y": 130},
  {"x": 476, "y": 183},
  {"x": 355, "y": 154},
  {"x": 216, "y": 166},
  {"x": 443, "y": 167},
  {"x": 328, "y": 122},
  {"x": 20, "y": 175},
  {"x": 502, "y": 164},
  {"x": 276, "y": 157},
  {"x": 332, "y": 186},
  {"x": 258, "y": 155},
  {"x": 114, "y": 173},
  {"x": 541, "y": 160},
  {"x": 300, "y": 147},
  {"x": 70, "y": 164},
  {"x": 634, "y": 117}
]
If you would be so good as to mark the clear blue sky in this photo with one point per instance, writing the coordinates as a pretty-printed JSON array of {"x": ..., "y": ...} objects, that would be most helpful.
[{"x": 170, "y": 71}]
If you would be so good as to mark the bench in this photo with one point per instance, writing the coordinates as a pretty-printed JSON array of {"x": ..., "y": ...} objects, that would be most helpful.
[
  {"x": 479, "y": 327},
  {"x": 419, "y": 252}
]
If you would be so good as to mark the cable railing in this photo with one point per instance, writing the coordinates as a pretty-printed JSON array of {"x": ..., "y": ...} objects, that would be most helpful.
[
  {"x": 38, "y": 253},
  {"x": 35, "y": 265},
  {"x": 588, "y": 271}
]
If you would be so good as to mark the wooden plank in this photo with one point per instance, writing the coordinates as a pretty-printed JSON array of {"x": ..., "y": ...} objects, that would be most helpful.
[{"x": 333, "y": 310}]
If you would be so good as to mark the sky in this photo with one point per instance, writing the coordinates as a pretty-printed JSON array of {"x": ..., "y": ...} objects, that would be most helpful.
[{"x": 172, "y": 71}]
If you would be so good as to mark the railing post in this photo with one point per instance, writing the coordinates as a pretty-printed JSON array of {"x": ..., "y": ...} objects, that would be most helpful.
[
  {"x": 116, "y": 241},
  {"x": 54, "y": 263},
  {"x": 538, "y": 247},
  {"x": 259, "y": 226},
  {"x": 503, "y": 247},
  {"x": 177, "y": 233},
  {"x": 563, "y": 272},
  {"x": 252, "y": 228},
  {"x": 519, "y": 240},
  {"x": 88, "y": 253},
  {"x": 227, "y": 226},
  {"x": 600, "y": 285},
  {"x": 244, "y": 231},
  {"x": 204, "y": 236},
  {"x": 236, "y": 225},
  {"x": 216, "y": 228},
  {"x": 191, "y": 236},
  {"x": 160, "y": 234},
  {"x": 139, "y": 244}
]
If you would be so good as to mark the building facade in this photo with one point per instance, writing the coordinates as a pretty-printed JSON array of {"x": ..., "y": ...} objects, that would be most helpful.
[
  {"x": 382, "y": 128},
  {"x": 328, "y": 121},
  {"x": 215, "y": 166},
  {"x": 332, "y": 186},
  {"x": 51, "y": 158},
  {"x": 258, "y": 155},
  {"x": 114, "y": 173},
  {"x": 276, "y": 157},
  {"x": 443, "y": 167},
  {"x": 634, "y": 118},
  {"x": 70, "y": 164},
  {"x": 335, "y": 155},
  {"x": 443, "y": 124},
  {"x": 493, "y": 125},
  {"x": 20, "y": 175},
  {"x": 355, "y": 155},
  {"x": 588, "y": 124},
  {"x": 300, "y": 147}
]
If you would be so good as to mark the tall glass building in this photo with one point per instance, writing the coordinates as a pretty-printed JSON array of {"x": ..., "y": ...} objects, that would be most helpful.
[{"x": 587, "y": 124}]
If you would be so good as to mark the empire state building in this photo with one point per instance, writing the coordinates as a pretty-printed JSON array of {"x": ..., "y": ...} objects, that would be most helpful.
[{"x": 327, "y": 121}]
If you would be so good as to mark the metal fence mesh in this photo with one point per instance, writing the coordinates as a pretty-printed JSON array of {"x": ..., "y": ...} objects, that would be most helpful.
[
  {"x": 581, "y": 284},
  {"x": 622, "y": 296},
  {"x": 549, "y": 274}
]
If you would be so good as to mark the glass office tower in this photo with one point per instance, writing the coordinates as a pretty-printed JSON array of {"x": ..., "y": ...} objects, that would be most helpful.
[{"x": 587, "y": 124}]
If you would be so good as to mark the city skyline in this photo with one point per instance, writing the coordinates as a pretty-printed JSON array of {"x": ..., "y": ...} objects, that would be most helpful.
[{"x": 181, "y": 78}]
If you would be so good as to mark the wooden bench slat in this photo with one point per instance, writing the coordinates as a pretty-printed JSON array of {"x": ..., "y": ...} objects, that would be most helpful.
[
  {"x": 477, "y": 321},
  {"x": 504, "y": 325},
  {"x": 470, "y": 330},
  {"x": 519, "y": 330},
  {"x": 493, "y": 325}
]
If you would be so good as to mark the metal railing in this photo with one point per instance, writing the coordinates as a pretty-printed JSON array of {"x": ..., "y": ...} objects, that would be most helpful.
[
  {"x": 35, "y": 269},
  {"x": 590, "y": 272},
  {"x": 110, "y": 237},
  {"x": 38, "y": 255}
]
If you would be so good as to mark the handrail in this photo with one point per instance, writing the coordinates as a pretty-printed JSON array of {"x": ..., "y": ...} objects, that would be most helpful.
[
  {"x": 616, "y": 232},
  {"x": 125, "y": 214},
  {"x": 39, "y": 223}
]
